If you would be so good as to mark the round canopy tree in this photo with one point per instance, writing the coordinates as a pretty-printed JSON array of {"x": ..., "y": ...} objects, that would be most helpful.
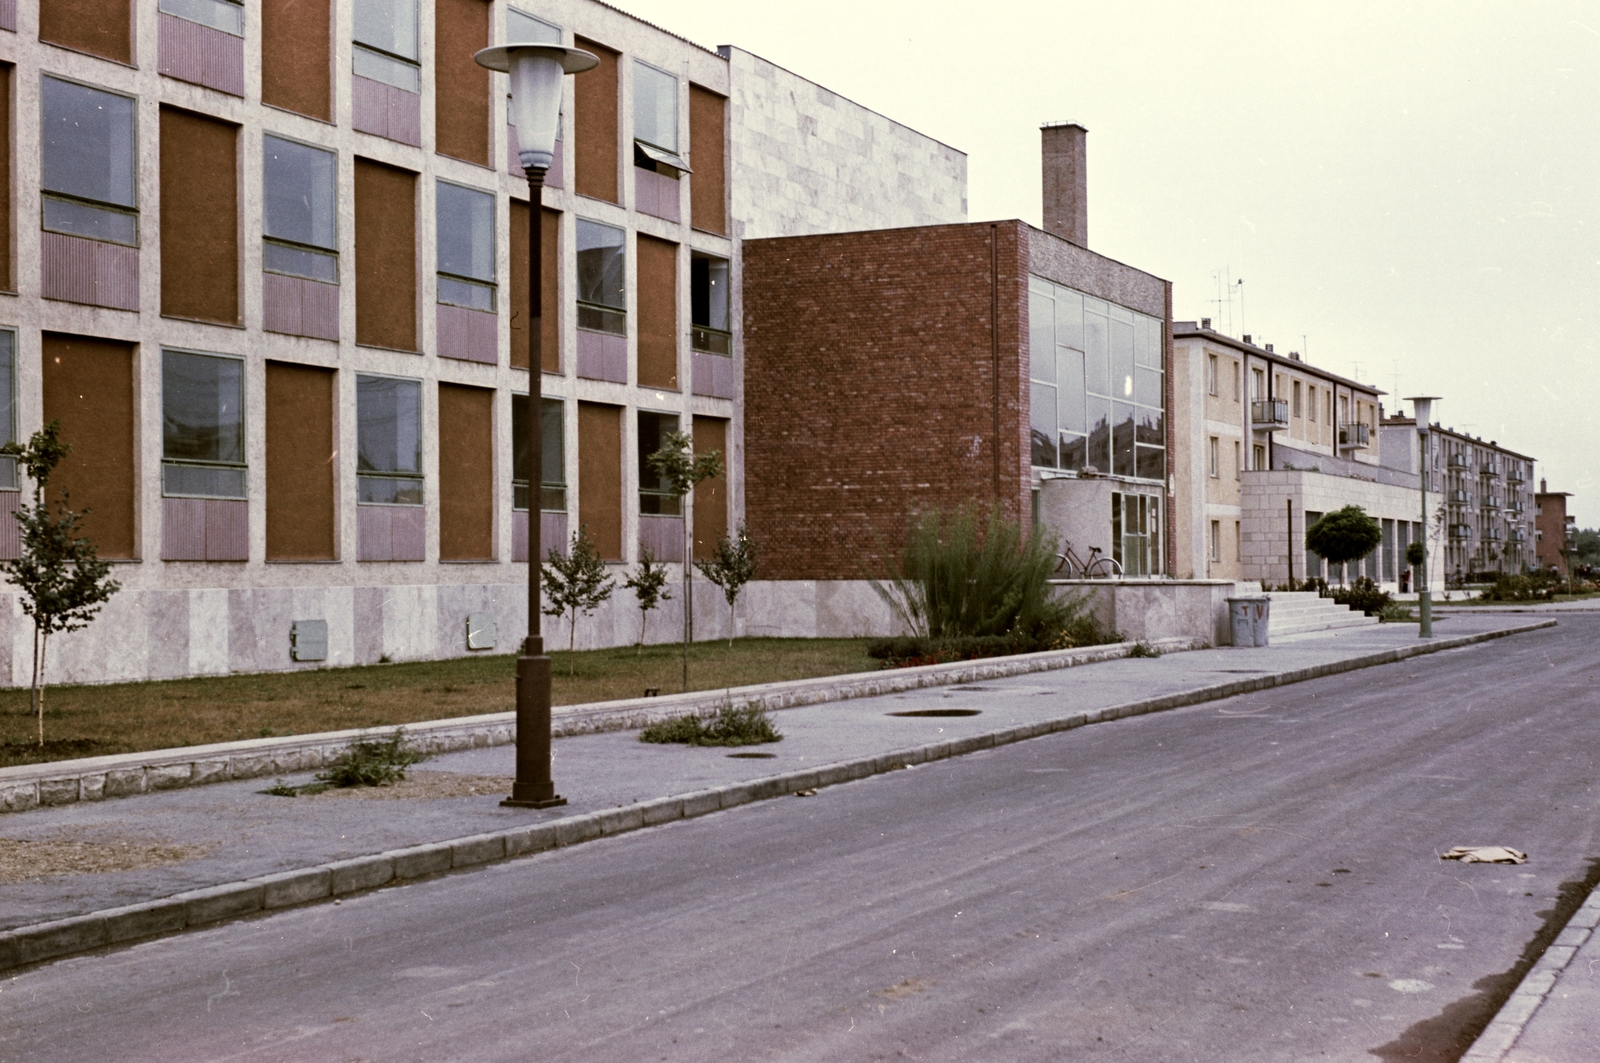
[{"x": 1343, "y": 536}]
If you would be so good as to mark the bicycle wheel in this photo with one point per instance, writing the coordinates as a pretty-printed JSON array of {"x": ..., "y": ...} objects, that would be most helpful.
[{"x": 1102, "y": 568}]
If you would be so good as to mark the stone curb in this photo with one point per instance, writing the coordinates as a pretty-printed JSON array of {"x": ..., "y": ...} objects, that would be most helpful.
[
  {"x": 1500, "y": 1036},
  {"x": 196, "y": 908},
  {"x": 30, "y": 786}
]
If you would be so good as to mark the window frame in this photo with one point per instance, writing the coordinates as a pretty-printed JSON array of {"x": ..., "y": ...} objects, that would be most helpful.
[
  {"x": 46, "y": 194},
  {"x": 388, "y": 60},
  {"x": 420, "y": 476},
  {"x": 8, "y": 420},
  {"x": 655, "y": 492},
  {"x": 603, "y": 310},
  {"x": 200, "y": 463},
  {"x": 1211, "y": 374},
  {"x": 296, "y": 245},
  {"x": 707, "y": 338},
  {"x": 665, "y": 159},
  {"x": 161, "y": 6},
  {"x": 492, "y": 285},
  {"x": 545, "y": 486},
  {"x": 1214, "y": 446}
]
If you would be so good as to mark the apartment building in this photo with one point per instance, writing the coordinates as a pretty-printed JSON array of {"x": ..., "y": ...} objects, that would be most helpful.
[
  {"x": 267, "y": 266},
  {"x": 1268, "y": 444},
  {"x": 1484, "y": 524},
  {"x": 1553, "y": 528},
  {"x": 903, "y": 369}
]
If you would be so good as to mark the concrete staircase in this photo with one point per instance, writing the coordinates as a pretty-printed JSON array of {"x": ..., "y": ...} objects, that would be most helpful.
[{"x": 1297, "y": 611}]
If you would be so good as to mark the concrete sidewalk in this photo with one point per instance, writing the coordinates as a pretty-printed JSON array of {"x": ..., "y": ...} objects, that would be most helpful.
[{"x": 248, "y": 851}]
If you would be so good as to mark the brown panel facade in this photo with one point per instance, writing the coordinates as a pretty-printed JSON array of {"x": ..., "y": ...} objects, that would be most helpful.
[
  {"x": 708, "y": 191},
  {"x": 88, "y": 387},
  {"x": 550, "y": 336},
  {"x": 600, "y": 476},
  {"x": 99, "y": 27},
  {"x": 461, "y": 100},
  {"x": 595, "y": 126},
  {"x": 296, "y": 56},
  {"x": 7, "y": 282},
  {"x": 466, "y": 473},
  {"x": 300, "y": 463},
  {"x": 710, "y": 496},
  {"x": 658, "y": 314},
  {"x": 386, "y": 256},
  {"x": 200, "y": 227}
]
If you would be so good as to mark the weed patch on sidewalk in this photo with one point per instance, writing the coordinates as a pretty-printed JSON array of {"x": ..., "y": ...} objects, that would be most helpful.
[{"x": 22, "y": 858}]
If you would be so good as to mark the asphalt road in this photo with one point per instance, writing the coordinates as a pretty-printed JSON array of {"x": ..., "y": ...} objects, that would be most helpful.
[{"x": 1253, "y": 879}]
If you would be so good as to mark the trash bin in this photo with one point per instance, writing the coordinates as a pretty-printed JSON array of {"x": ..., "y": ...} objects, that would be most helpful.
[{"x": 1248, "y": 618}]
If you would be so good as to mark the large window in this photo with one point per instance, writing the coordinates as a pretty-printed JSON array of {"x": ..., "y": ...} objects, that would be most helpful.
[
  {"x": 1097, "y": 395},
  {"x": 88, "y": 165},
  {"x": 218, "y": 14},
  {"x": 654, "y": 495},
  {"x": 386, "y": 42},
  {"x": 552, "y": 454},
  {"x": 655, "y": 121},
  {"x": 466, "y": 246},
  {"x": 602, "y": 279},
  {"x": 708, "y": 304},
  {"x": 202, "y": 425},
  {"x": 523, "y": 28},
  {"x": 301, "y": 223},
  {"x": 388, "y": 441},
  {"x": 1136, "y": 533},
  {"x": 8, "y": 405}
]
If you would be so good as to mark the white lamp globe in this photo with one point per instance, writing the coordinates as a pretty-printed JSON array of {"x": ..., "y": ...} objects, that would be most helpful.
[{"x": 536, "y": 71}]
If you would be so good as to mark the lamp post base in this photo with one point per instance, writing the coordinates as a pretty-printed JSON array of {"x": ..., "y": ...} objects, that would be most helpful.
[{"x": 533, "y": 787}]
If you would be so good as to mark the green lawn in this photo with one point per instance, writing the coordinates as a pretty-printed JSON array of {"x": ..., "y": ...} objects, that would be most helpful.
[{"x": 85, "y": 721}]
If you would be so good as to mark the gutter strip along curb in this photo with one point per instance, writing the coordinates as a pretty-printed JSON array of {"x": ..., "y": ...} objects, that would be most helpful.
[
  {"x": 195, "y": 908},
  {"x": 28, "y": 786},
  {"x": 1498, "y": 1038}
]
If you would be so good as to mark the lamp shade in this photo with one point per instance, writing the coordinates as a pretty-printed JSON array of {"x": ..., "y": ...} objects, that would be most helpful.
[
  {"x": 1423, "y": 407},
  {"x": 536, "y": 71}
]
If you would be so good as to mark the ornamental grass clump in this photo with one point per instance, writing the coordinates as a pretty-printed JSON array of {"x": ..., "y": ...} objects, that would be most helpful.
[
  {"x": 749, "y": 726},
  {"x": 372, "y": 762}
]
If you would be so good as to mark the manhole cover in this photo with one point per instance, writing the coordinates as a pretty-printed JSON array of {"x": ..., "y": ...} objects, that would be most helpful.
[
  {"x": 937, "y": 712},
  {"x": 753, "y": 756}
]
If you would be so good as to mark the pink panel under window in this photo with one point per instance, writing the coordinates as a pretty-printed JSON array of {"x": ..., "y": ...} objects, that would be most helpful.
[
  {"x": 468, "y": 334},
  {"x": 373, "y": 539},
  {"x": 183, "y": 529},
  {"x": 10, "y": 534},
  {"x": 519, "y": 535},
  {"x": 8, "y": 15},
  {"x": 713, "y": 376},
  {"x": 386, "y": 111},
  {"x": 201, "y": 55},
  {"x": 616, "y": 359},
  {"x": 662, "y": 536},
  {"x": 227, "y": 529},
  {"x": 552, "y": 535},
  {"x": 602, "y": 356},
  {"x": 655, "y": 194},
  {"x": 299, "y": 307},
  {"x": 90, "y": 271},
  {"x": 408, "y": 533}
]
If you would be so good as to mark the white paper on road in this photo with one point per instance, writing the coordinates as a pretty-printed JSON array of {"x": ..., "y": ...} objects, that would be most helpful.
[{"x": 1486, "y": 854}]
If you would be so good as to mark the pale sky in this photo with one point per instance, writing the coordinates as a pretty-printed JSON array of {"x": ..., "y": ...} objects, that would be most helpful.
[{"x": 1411, "y": 192}]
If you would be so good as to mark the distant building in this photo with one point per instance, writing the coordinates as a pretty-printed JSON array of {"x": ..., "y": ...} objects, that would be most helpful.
[{"x": 1553, "y": 528}]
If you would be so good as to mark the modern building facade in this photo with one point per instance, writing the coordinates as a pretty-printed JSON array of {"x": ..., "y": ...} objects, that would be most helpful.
[
  {"x": 1268, "y": 444},
  {"x": 898, "y": 370},
  {"x": 1553, "y": 528},
  {"x": 267, "y": 266}
]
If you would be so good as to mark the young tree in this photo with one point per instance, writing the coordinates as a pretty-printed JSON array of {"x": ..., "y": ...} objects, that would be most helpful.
[
  {"x": 573, "y": 584},
  {"x": 60, "y": 574},
  {"x": 649, "y": 585},
  {"x": 731, "y": 567},
  {"x": 681, "y": 469},
  {"x": 1343, "y": 536}
]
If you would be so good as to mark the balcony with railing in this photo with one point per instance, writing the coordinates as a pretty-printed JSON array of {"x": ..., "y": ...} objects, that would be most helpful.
[
  {"x": 1492, "y": 535},
  {"x": 1517, "y": 535},
  {"x": 1491, "y": 501},
  {"x": 1356, "y": 436},
  {"x": 1517, "y": 506},
  {"x": 1460, "y": 531},
  {"x": 1490, "y": 469},
  {"x": 1269, "y": 414},
  {"x": 1458, "y": 461},
  {"x": 1514, "y": 475},
  {"x": 1459, "y": 497}
]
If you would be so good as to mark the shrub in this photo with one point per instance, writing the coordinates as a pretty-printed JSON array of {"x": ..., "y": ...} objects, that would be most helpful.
[
  {"x": 1396, "y": 613},
  {"x": 955, "y": 580},
  {"x": 748, "y": 726},
  {"x": 909, "y": 651},
  {"x": 1535, "y": 588},
  {"x": 1364, "y": 595},
  {"x": 1344, "y": 535},
  {"x": 372, "y": 762}
]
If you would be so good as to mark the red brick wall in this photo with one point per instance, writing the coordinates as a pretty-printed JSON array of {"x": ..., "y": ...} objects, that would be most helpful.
[
  {"x": 1551, "y": 521},
  {"x": 871, "y": 389}
]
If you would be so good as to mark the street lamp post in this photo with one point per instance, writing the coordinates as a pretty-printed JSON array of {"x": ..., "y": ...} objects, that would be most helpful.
[
  {"x": 536, "y": 78},
  {"x": 1422, "y": 407}
]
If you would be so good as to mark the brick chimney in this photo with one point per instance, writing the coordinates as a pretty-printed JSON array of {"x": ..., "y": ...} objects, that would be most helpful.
[{"x": 1066, "y": 181}]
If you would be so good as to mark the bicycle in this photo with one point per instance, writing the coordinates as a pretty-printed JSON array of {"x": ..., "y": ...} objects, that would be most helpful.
[{"x": 1097, "y": 567}]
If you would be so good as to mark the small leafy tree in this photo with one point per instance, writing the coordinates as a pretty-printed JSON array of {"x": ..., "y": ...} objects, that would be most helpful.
[
  {"x": 575, "y": 584},
  {"x": 1343, "y": 536},
  {"x": 731, "y": 567},
  {"x": 62, "y": 579},
  {"x": 649, "y": 585},
  {"x": 681, "y": 469}
]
